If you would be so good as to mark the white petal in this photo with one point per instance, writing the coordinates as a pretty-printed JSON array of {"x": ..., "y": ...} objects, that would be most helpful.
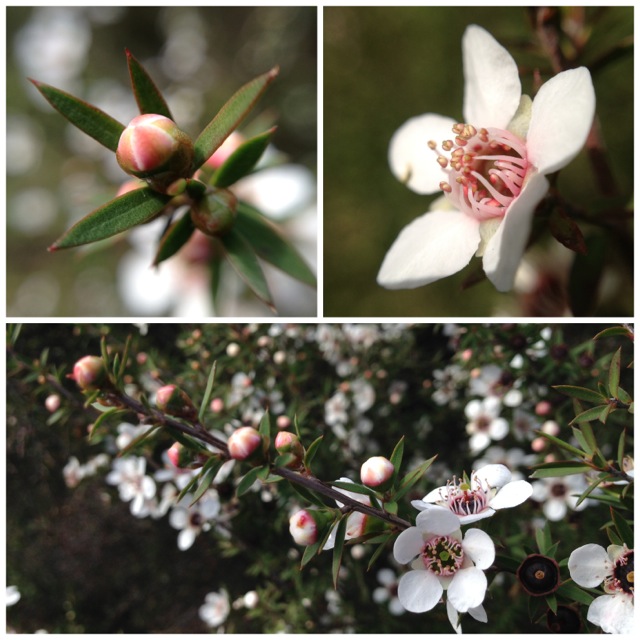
[
  {"x": 492, "y": 476},
  {"x": 561, "y": 118},
  {"x": 439, "y": 493},
  {"x": 474, "y": 517},
  {"x": 454, "y": 617},
  {"x": 478, "y": 613},
  {"x": 589, "y": 565},
  {"x": 613, "y": 614},
  {"x": 479, "y": 547},
  {"x": 407, "y": 545},
  {"x": 420, "y": 505},
  {"x": 555, "y": 509},
  {"x": 437, "y": 520},
  {"x": 467, "y": 589},
  {"x": 411, "y": 159},
  {"x": 419, "y": 591},
  {"x": 498, "y": 428},
  {"x": 433, "y": 246},
  {"x": 491, "y": 83},
  {"x": 512, "y": 494},
  {"x": 186, "y": 538},
  {"x": 504, "y": 251}
]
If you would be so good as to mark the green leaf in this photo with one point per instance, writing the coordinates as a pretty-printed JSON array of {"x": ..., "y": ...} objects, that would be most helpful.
[
  {"x": 312, "y": 450},
  {"x": 580, "y": 393},
  {"x": 174, "y": 238},
  {"x": 265, "y": 426},
  {"x": 120, "y": 214},
  {"x": 552, "y": 602},
  {"x": 146, "y": 93},
  {"x": 593, "y": 485},
  {"x": 307, "y": 495},
  {"x": 590, "y": 414},
  {"x": 411, "y": 478},
  {"x": 622, "y": 527},
  {"x": 396, "y": 459},
  {"x": 562, "y": 444},
  {"x": 572, "y": 591},
  {"x": 206, "y": 478},
  {"x": 230, "y": 116},
  {"x": 270, "y": 244},
  {"x": 338, "y": 548},
  {"x": 101, "y": 418},
  {"x": 247, "y": 481},
  {"x": 614, "y": 538},
  {"x": 543, "y": 539},
  {"x": 614, "y": 331},
  {"x": 242, "y": 160},
  {"x": 589, "y": 436},
  {"x": 353, "y": 487},
  {"x": 245, "y": 262},
  {"x": 614, "y": 373},
  {"x": 381, "y": 547},
  {"x": 207, "y": 392},
  {"x": 309, "y": 553},
  {"x": 582, "y": 441},
  {"x": 94, "y": 122},
  {"x": 560, "y": 468}
]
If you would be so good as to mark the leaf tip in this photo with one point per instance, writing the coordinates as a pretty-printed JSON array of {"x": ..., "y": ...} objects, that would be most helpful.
[{"x": 273, "y": 72}]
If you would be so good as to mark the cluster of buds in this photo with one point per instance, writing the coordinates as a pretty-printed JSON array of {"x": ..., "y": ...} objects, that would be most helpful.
[{"x": 154, "y": 148}]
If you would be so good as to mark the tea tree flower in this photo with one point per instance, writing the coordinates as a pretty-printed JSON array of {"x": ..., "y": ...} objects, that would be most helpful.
[
  {"x": 216, "y": 608},
  {"x": 591, "y": 565},
  {"x": 442, "y": 559},
  {"x": 488, "y": 490},
  {"x": 491, "y": 167}
]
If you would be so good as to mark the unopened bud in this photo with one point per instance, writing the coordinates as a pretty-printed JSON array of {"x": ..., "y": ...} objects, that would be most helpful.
[
  {"x": 174, "y": 401},
  {"x": 283, "y": 422},
  {"x": 306, "y": 525},
  {"x": 89, "y": 373},
  {"x": 52, "y": 402},
  {"x": 215, "y": 214},
  {"x": 244, "y": 442},
  {"x": 174, "y": 454},
  {"x": 217, "y": 405},
  {"x": 377, "y": 472},
  {"x": 289, "y": 443},
  {"x": 154, "y": 148}
]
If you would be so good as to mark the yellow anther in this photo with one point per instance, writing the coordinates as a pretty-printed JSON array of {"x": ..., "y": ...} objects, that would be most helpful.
[
  {"x": 442, "y": 161},
  {"x": 445, "y": 186},
  {"x": 432, "y": 144}
]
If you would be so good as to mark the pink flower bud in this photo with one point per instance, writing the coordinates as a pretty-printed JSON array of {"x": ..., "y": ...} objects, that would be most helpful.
[
  {"x": 244, "y": 442},
  {"x": 221, "y": 154},
  {"x": 376, "y": 472},
  {"x": 303, "y": 528},
  {"x": 217, "y": 405},
  {"x": 214, "y": 215},
  {"x": 52, "y": 402},
  {"x": 153, "y": 146},
  {"x": 174, "y": 401},
  {"x": 89, "y": 373},
  {"x": 543, "y": 408},
  {"x": 174, "y": 454},
  {"x": 283, "y": 422},
  {"x": 289, "y": 443}
]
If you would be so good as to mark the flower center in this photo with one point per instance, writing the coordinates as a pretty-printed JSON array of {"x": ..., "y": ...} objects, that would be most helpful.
[
  {"x": 622, "y": 577},
  {"x": 486, "y": 167},
  {"x": 443, "y": 555},
  {"x": 465, "y": 501}
]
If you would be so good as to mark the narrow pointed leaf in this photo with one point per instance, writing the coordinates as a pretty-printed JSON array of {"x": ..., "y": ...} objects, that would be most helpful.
[
  {"x": 206, "y": 479},
  {"x": 174, "y": 239},
  {"x": 614, "y": 373},
  {"x": 120, "y": 214},
  {"x": 337, "y": 549},
  {"x": 230, "y": 116},
  {"x": 244, "y": 260},
  {"x": 147, "y": 95},
  {"x": 242, "y": 160},
  {"x": 560, "y": 468},
  {"x": 247, "y": 481},
  {"x": 572, "y": 591},
  {"x": 580, "y": 392},
  {"x": 590, "y": 414},
  {"x": 624, "y": 529},
  {"x": 93, "y": 121},
  {"x": 312, "y": 450},
  {"x": 207, "y": 392},
  {"x": 270, "y": 245},
  {"x": 564, "y": 445}
]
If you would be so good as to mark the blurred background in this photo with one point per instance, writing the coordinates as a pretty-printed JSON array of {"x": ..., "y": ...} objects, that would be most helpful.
[
  {"x": 384, "y": 65},
  {"x": 198, "y": 57}
]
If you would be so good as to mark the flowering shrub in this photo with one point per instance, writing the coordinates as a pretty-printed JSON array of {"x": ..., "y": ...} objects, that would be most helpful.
[{"x": 269, "y": 469}]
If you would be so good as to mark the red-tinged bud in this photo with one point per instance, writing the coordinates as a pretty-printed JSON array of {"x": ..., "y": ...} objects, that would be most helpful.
[
  {"x": 306, "y": 525},
  {"x": 289, "y": 443},
  {"x": 283, "y": 422},
  {"x": 377, "y": 473},
  {"x": 52, "y": 403},
  {"x": 215, "y": 214},
  {"x": 154, "y": 148},
  {"x": 174, "y": 454},
  {"x": 89, "y": 373},
  {"x": 217, "y": 405},
  {"x": 244, "y": 443},
  {"x": 174, "y": 401}
]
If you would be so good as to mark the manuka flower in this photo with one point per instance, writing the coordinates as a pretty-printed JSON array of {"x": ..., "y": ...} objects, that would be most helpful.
[
  {"x": 488, "y": 490},
  {"x": 442, "y": 559},
  {"x": 491, "y": 167},
  {"x": 591, "y": 565}
]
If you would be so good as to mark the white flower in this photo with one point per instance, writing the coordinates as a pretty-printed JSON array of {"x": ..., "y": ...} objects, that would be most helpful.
[
  {"x": 589, "y": 566},
  {"x": 215, "y": 609},
  {"x": 485, "y": 423},
  {"x": 133, "y": 485},
  {"x": 442, "y": 559},
  {"x": 489, "y": 489},
  {"x": 559, "y": 493},
  {"x": 356, "y": 521},
  {"x": 13, "y": 595},
  {"x": 492, "y": 169},
  {"x": 191, "y": 520}
]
